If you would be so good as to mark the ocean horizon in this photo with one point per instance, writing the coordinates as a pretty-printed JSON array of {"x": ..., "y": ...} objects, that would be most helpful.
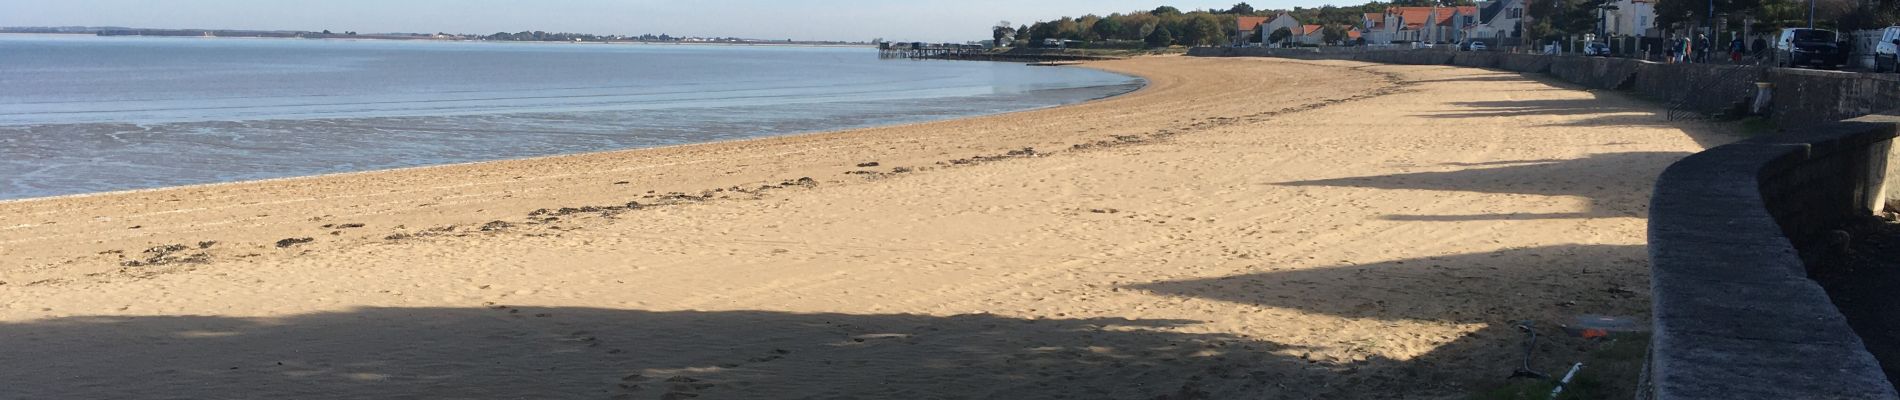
[{"x": 84, "y": 114}]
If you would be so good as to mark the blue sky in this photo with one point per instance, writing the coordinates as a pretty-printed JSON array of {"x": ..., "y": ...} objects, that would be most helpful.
[{"x": 942, "y": 20}]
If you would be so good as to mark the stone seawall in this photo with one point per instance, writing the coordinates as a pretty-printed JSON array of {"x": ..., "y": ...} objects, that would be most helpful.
[
  {"x": 1735, "y": 314},
  {"x": 1801, "y": 97}
]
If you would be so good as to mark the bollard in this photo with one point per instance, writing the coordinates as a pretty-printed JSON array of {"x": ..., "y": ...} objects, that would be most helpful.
[{"x": 1764, "y": 93}]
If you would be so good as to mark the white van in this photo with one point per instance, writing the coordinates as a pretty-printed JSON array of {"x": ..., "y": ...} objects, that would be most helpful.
[{"x": 1885, "y": 59}]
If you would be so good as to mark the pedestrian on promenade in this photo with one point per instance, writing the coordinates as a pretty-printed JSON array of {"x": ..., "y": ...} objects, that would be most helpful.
[
  {"x": 1701, "y": 47},
  {"x": 1674, "y": 48},
  {"x": 1678, "y": 50},
  {"x": 1735, "y": 49}
]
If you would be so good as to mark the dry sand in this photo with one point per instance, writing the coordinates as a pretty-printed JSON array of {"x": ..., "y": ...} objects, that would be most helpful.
[{"x": 1242, "y": 228}]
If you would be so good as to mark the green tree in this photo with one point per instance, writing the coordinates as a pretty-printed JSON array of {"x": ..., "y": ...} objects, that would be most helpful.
[
  {"x": 1164, "y": 11},
  {"x": 1066, "y": 29},
  {"x": 1160, "y": 38},
  {"x": 1139, "y": 25},
  {"x": 1550, "y": 19},
  {"x": 1002, "y": 33},
  {"x": 1279, "y": 36},
  {"x": 1108, "y": 28},
  {"x": 1332, "y": 34},
  {"x": 1203, "y": 30},
  {"x": 1669, "y": 12},
  {"x": 1085, "y": 28},
  {"x": 1241, "y": 9}
]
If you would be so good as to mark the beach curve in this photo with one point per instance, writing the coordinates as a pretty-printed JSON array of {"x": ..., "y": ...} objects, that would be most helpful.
[{"x": 1239, "y": 227}]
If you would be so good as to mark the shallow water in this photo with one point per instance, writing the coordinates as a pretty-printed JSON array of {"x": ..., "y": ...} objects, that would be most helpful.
[{"x": 82, "y": 114}]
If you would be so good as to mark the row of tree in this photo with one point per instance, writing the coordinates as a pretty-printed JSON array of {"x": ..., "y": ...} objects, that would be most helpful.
[
  {"x": 1161, "y": 27},
  {"x": 1169, "y": 26},
  {"x": 539, "y": 36}
]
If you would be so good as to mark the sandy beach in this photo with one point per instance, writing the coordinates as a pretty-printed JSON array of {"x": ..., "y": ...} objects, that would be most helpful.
[{"x": 1241, "y": 228}]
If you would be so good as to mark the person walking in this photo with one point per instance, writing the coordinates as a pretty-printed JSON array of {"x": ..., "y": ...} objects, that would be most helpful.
[
  {"x": 1677, "y": 48},
  {"x": 1701, "y": 48},
  {"x": 1670, "y": 47},
  {"x": 1735, "y": 49}
]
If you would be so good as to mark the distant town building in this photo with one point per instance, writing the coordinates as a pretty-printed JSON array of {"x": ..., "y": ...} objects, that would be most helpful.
[
  {"x": 1631, "y": 18},
  {"x": 1500, "y": 21},
  {"x": 1292, "y": 25},
  {"x": 1249, "y": 28},
  {"x": 1421, "y": 24}
]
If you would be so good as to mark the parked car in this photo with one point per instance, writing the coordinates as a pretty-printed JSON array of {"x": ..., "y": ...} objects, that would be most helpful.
[
  {"x": 1475, "y": 45},
  {"x": 1815, "y": 48},
  {"x": 1887, "y": 50},
  {"x": 1596, "y": 49}
]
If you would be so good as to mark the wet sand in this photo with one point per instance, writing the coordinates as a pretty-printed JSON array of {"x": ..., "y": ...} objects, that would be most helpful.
[{"x": 1241, "y": 228}]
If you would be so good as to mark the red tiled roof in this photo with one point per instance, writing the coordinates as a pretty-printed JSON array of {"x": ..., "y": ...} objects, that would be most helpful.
[
  {"x": 1411, "y": 16},
  {"x": 1249, "y": 23},
  {"x": 1309, "y": 29},
  {"x": 1445, "y": 14},
  {"x": 1353, "y": 34},
  {"x": 1417, "y": 16}
]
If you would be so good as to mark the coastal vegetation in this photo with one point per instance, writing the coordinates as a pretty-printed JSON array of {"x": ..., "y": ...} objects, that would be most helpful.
[
  {"x": 523, "y": 36},
  {"x": 1170, "y": 26}
]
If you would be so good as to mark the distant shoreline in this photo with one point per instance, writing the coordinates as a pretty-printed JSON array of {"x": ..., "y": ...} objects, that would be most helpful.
[{"x": 432, "y": 40}]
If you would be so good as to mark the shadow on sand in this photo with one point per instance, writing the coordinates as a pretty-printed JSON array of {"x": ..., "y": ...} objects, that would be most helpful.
[
  {"x": 1546, "y": 285},
  {"x": 1603, "y": 108},
  {"x": 528, "y": 352},
  {"x": 1598, "y": 178}
]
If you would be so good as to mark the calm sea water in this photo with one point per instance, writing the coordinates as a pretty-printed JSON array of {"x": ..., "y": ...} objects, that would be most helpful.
[{"x": 82, "y": 114}]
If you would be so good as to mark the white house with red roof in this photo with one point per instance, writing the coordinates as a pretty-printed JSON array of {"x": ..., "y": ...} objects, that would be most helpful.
[
  {"x": 1249, "y": 28},
  {"x": 1421, "y": 24},
  {"x": 1373, "y": 24},
  {"x": 1309, "y": 34},
  {"x": 1291, "y": 24}
]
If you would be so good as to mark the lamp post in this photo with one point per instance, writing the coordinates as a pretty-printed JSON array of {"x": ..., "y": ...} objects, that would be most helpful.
[
  {"x": 1708, "y": 20},
  {"x": 1810, "y": 14},
  {"x": 1601, "y": 22}
]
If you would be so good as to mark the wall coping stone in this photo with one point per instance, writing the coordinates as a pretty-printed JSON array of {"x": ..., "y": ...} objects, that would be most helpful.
[{"x": 1735, "y": 314}]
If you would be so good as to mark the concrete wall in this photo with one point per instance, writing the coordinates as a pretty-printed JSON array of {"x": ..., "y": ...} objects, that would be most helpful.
[
  {"x": 1735, "y": 314},
  {"x": 1801, "y": 98}
]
